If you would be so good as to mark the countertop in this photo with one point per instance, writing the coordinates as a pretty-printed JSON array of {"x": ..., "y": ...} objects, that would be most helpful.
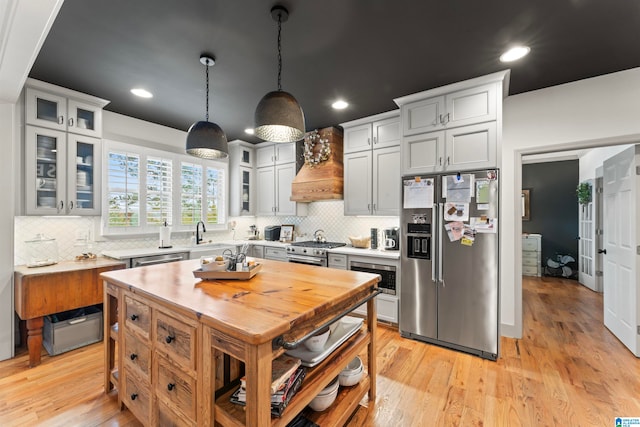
[
  {"x": 64, "y": 266},
  {"x": 141, "y": 252},
  {"x": 281, "y": 297}
]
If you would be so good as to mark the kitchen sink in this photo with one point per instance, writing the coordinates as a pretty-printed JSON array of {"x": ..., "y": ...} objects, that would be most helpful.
[{"x": 207, "y": 249}]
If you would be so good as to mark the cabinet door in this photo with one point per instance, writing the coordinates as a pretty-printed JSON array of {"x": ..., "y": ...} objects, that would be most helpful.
[
  {"x": 265, "y": 156},
  {"x": 470, "y": 106},
  {"x": 386, "y": 133},
  {"x": 357, "y": 138},
  {"x": 284, "y": 178},
  {"x": 45, "y": 179},
  {"x": 266, "y": 193},
  {"x": 285, "y": 153},
  {"x": 357, "y": 183},
  {"x": 471, "y": 147},
  {"x": 423, "y": 153},
  {"x": 242, "y": 194},
  {"x": 83, "y": 172},
  {"x": 45, "y": 109},
  {"x": 84, "y": 119},
  {"x": 386, "y": 181},
  {"x": 422, "y": 116}
]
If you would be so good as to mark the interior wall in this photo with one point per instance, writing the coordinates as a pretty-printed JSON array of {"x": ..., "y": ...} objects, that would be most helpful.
[
  {"x": 588, "y": 113},
  {"x": 553, "y": 206}
]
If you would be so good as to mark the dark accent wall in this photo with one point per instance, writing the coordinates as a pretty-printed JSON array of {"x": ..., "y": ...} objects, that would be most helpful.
[{"x": 554, "y": 206}]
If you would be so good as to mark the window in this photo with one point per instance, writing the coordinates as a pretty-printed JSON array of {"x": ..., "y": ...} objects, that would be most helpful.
[{"x": 147, "y": 187}]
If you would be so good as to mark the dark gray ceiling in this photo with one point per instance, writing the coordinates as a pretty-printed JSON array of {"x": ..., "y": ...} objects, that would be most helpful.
[{"x": 365, "y": 51}]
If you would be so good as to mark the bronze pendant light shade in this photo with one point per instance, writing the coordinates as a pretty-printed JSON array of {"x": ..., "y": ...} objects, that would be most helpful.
[
  {"x": 205, "y": 139},
  {"x": 279, "y": 117}
]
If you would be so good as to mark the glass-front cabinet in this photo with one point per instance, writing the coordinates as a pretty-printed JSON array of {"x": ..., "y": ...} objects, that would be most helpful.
[
  {"x": 62, "y": 173},
  {"x": 241, "y": 178},
  {"x": 60, "y": 113}
]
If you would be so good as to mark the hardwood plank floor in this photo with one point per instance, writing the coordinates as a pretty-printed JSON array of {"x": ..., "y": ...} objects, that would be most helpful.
[{"x": 568, "y": 369}]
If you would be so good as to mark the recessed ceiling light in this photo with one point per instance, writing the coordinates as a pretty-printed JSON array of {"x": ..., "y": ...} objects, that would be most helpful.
[
  {"x": 514, "y": 53},
  {"x": 340, "y": 104},
  {"x": 142, "y": 93},
  {"x": 249, "y": 131}
]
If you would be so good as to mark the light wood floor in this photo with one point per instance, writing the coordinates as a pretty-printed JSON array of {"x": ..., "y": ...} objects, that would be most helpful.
[{"x": 567, "y": 370}]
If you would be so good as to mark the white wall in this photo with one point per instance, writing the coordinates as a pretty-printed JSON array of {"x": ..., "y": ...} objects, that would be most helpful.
[
  {"x": 24, "y": 26},
  {"x": 595, "y": 158},
  {"x": 588, "y": 113}
]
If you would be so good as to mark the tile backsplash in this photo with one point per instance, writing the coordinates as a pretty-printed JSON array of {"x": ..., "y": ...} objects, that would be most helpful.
[{"x": 70, "y": 232}]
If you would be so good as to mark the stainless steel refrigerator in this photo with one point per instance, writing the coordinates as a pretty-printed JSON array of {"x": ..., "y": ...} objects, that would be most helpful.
[{"x": 449, "y": 294}]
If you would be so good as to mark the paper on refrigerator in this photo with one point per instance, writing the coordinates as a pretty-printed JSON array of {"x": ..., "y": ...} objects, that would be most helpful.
[{"x": 418, "y": 193}]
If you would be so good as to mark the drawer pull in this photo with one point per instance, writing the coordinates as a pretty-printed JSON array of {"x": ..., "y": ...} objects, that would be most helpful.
[
  {"x": 169, "y": 339},
  {"x": 134, "y": 317},
  {"x": 134, "y": 396},
  {"x": 133, "y": 356},
  {"x": 171, "y": 386}
]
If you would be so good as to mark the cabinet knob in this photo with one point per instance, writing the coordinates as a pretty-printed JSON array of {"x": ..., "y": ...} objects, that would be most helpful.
[
  {"x": 133, "y": 356},
  {"x": 71, "y": 121},
  {"x": 169, "y": 339},
  {"x": 71, "y": 205},
  {"x": 134, "y": 317},
  {"x": 134, "y": 396},
  {"x": 171, "y": 386},
  {"x": 61, "y": 120}
]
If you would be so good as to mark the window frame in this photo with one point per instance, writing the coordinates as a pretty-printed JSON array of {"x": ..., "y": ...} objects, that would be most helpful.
[{"x": 176, "y": 160}]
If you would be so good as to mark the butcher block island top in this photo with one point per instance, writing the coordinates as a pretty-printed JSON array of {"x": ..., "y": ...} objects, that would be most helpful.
[{"x": 184, "y": 343}]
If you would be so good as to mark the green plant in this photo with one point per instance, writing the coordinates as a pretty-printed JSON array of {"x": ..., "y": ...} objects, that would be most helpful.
[{"x": 584, "y": 193}]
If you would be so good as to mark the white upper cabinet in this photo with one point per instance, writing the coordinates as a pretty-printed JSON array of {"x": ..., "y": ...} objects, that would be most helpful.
[
  {"x": 275, "y": 171},
  {"x": 269, "y": 154},
  {"x": 62, "y": 109},
  {"x": 62, "y": 173},
  {"x": 372, "y": 165},
  {"x": 242, "y": 194},
  {"x": 454, "y": 127},
  {"x": 382, "y": 130},
  {"x": 473, "y": 105}
]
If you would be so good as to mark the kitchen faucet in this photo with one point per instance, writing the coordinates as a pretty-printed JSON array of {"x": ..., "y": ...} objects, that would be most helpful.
[{"x": 198, "y": 235}]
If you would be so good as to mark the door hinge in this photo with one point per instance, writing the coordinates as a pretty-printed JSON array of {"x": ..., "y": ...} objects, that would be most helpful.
[
  {"x": 638, "y": 329},
  {"x": 638, "y": 250},
  {"x": 599, "y": 232},
  {"x": 637, "y": 170},
  {"x": 600, "y": 190},
  {"x": 599, "y": 273}
]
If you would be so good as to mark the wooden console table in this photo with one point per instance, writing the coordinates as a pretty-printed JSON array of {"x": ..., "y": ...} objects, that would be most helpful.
[
  {"x": 174, "y": 332},
  {"x": 43, "y": 291}
]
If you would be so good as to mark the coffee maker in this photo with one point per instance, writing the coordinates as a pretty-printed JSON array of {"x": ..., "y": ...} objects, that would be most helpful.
[{"x": 391, "y": 239}]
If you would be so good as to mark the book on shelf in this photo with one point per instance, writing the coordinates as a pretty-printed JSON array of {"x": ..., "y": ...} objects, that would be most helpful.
[
  {"x": 281, "y": 398},
  {"x": 281, "y": 370}
]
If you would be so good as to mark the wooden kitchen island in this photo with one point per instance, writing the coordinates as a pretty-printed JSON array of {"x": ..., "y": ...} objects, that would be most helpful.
[{"x": 183, "y": 343}]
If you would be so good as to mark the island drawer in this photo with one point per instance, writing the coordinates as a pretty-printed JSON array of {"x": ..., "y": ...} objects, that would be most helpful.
[
  {"x": 176, "y": 340},
  {"x": 175, "y": 388},
  {"x": 136, "y": 395},
  {"x": 137, "y": 355},
  {"x": 137, "y": 316}
]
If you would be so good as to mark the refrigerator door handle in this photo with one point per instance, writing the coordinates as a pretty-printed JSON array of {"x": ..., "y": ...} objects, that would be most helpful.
[
  {"x": 440, "y": 231},
  {"x": 433, "y": 243}
]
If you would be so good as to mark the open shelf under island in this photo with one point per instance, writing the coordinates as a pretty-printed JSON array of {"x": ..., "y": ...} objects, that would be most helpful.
[{"x": 183, "y": 343}]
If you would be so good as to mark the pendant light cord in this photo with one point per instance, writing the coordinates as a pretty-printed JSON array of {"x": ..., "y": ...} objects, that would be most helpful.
[
  {"x": 279, "y": 52},
  {"x": 206, "y": 66}
]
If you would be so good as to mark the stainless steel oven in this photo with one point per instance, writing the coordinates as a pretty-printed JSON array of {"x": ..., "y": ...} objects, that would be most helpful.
[
  {"x": 310, "y": 252},
  {"x": 387, "y": 273}
]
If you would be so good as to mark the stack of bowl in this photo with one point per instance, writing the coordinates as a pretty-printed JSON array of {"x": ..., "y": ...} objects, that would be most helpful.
[
  {"x": 352, "y": 373},
  {"x": 325, "y": 398}
]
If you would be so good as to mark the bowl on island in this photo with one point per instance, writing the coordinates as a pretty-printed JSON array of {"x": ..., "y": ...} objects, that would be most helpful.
[
  {"x": 316, "y": 342},
  {"x": 326, "y": 397},
  {"x": 208, "y": 263},
  {"x": 352, "y": 373}
]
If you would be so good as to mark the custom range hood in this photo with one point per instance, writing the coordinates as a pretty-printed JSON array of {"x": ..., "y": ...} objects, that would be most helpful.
[{"x": 321, "y": 177}]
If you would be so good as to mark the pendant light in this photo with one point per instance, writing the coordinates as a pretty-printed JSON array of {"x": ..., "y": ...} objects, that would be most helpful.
[
  {"x": 279, "y": 117},
  {"x": 206, "y": 139}
]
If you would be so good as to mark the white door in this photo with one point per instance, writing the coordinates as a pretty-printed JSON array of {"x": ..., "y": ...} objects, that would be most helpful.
[
  {"x": 620, "y": 242},
  {"x": 586, "y": 230},
  {"x": 599, "y": 255}
]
